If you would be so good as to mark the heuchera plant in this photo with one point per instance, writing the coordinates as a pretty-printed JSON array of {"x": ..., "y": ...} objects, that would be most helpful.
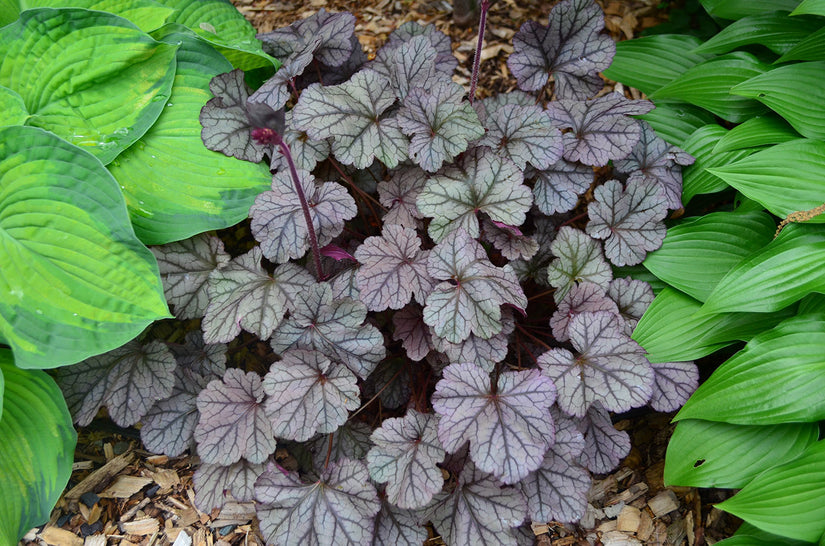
[{"x": 445, "y": 335}]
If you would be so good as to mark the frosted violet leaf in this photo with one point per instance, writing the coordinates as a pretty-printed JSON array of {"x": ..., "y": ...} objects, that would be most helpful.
[
  {"x": 278, "y": 221},
  {"x": 343, "y": 285},
  {"x": 404, "y": 457},
  {"x": 516, "y": 414},
  {"x": 244, "y": 296},
  {"x": 198, "y": 357},
  {"x": 398, "y": 527},
  {"x": 216, "y": 484},
  {"x": 350, "y": 114},
  {"x": 633, "y": 297},
  {"x": 509, "y": 240},
  {"x": 494, "y": 103},
  {"x": 83, "y": 386},
  {"x": 393, "y": 269},
  {"x": 673, "y": 384},
  {"x": 557, "y": 490},
  {"x": 439, "y": 124},
  {"x": 536, "y": 267},
  {"x": 569, "y": 439},
  {"x": 602, "y": 128},
  {"x": 571, "y": 48},
  {"x": 306, "y": 153},
  {"x": 581, "y": 298},
  {"x": 336, "y": 510},
  {"x": 470, "y": 298},
  {"x": 333, "y": 327},
  {"x": 413, "y": 333},
  {"x": 523, "y": 134},
  {"x": 169, "y": 425},
  {"x": 483, "y": 352},
  {"x": 414, "y": 66},
  {"x": 400, "y": 193},
  {"x": 611, "y": 368},
  {"x": 445, "y": 61},
  {"x": 558, "y": 187},
  {"x": 579, "y": 259},
  {"x": 604, "y": 446},
  {"x": 483, "y": 182},
  {"x": 351, "y": 440},
  {"x": 232, "y": 422},
  {"x": 479, "y": 511},
  {"x": 226, "y": 125},
  {"x": 276, "y": 90},
  {"x": 630, "y": 220},
  {"x": 184, "y": 269},
  {"x": 391, "y": 379},
  {"x": 332, "y": 30},
  {"x": 308, "y": 393}
]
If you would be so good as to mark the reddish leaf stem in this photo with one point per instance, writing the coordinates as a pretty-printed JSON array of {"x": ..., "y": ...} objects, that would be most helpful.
[{"x": 485, "y": 5}]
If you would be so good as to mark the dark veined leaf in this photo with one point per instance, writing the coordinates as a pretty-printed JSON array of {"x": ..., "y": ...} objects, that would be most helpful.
[
  {"x": 697, "y": 179},
  {"x": 470, "y": 298},
  {"x": 611, "y": 368},
  {"x": 393, "y": 269},
  {"x": 278, "y": 220},
  {"x": 215, "y": 484},
  {"x": 484, "y": 182},
  {"x": 127, "y": 380},
  {"x": 333, "y": 327},
  {"x": 490, "y": 105},
  {"x": 775, "y": 30},
  {"x": 673, "y": 384},
  {"x": 629, "y": 219},
  {"x": 184, "y": 269},
  {"x": 601, "y": 128},
  {"x": 582, "y": 298},
  {"x": 445, "y": 62},
  {"x": 350, "y": 114},
  {"x": 397, "y": 527},
  {"x": 331, "y": 30},
  {"x": 306, "y": 153},
  {"x": 244, "y": 296},
  {"x": 633, "y": 297},
  {"x": 557, "y": 188},
  {"x": 579, "y": 258},
  {"x": 570, "y": 48},
  {"x": 400, "y": 193},
  {"x": 276, "y": 90},
  {"x": 412, "y": 64},
  {"x": 536, "y": 267},
  {"x": 513, "y": 412},
  {"x": 523, "y": 134},
  {"x": 232, "y": 423},
  {"x": 336, "y": 510},
  {"x": 392, "y": 382},
  {"x": 349, "y": 441},
  {"x": 756, "y": 132},
  {"x": 308, "y": 393},
  {"x": 404, "y": 457},
  {"x": 486, "y": 353},
  {"x": 413, "y": 333},
  {"x": 198, "y": 357},
  {"x": 604, "y": 446},
  {"x": 509, "y": 240}
]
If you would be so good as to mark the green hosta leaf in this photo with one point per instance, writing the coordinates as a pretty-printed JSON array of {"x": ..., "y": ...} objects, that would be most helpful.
[
  {"x": 811, "y": 48},
  {"x": 731, "y": 455},
  {"x": 795, "y": 92},
  {"x": 779, "y": 274},
  {"x": 676, "y": 121},
  {"x": 75, "y": 281},
  {"x": 697, "y": 253},
  {"x": 708, "y": 85},
  {"x": 146, "y": 14},
  {"x": 786, "y": 500},
  {"x": 651, "y": 62},
  {"x": 748, "y": 535},
  {"x": 736, "y": 9},
  {"x": 758, "y": 131},
  {"x": 775, "y": 30},
  {"x": 101, "y": 106},
  {"x": 12, "y": 108},
  {"x": 174, "y": 186},
  {"x": 744, "y": 390},
  {"x": 812, "y": 7},
  {"x": 696, "y": 179},
  {"x": 36, "y": 448}
]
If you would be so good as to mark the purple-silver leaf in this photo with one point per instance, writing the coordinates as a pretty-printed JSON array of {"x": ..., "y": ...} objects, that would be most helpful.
[
  {"x": 673, "y": 384},
  {"x": 226, "y": 125},
  {"x": 169, "y": 425},
  {"x": 400, "y": 193},
  {"x": 213, "y": 482},
  {"x": 198, "y": 357},
  {"x": 445, "y": 61},
  {"x": 523, "y": 134},
  {"x": 332, "y": 31},
  {"x": 604, "y": 446},
  {"x": 398, "y": 527},
  {"x": 579, "y": 259},
  {"x": 558, "y": 187},
  {"x": 414, "y": 66},
  {"x": 509, "y": 240},
  {"x": 490, "y": 105},
  {"x": 515, "y": 414},
  {"x": 83, "y": 386},
  {"x": 633, "y": 297},
  {"x": 351, "y": 441},
  {"x": 413, "y": 333},
  {"x": 306, "y": 153},
  {"x": 536, "y": 268},
  {"x": 392, "y": 381},
  {"x": 582, "y": 298},
  {"x": 557, "y": 490},
  {"x": 484, "y": 352},
  {"x": 276, "y": 90}
]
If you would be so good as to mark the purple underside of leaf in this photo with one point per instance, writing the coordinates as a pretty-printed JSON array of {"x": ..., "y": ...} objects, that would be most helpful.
[
  {"x": 517, "y": 415},
  {"x": 524, "y": 134},
  {"x": 674, "y": 383},
  {"x": 399, "y": 194},
  {"x": 633, "y": 297},
  {"x": 332, "y": 31},
  {"x": 413, "y": 333},
  {"x": 604, "y": 446},
  {"x": 583, "y": 297},
  {"x": 579, "y": 258},
  {"x": 212, "y": 483},
  {"x": 558, "y": 188}
]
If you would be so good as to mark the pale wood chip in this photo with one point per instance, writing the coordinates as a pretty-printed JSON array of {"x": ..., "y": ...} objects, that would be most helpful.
[
  {"x": 55, "y": 536},
  {"x": 616, "y": 538},
  {"x": 98, "y": 477},
  {"x": 182, "y": 539},
  {"x": 234, "y": 513},
  {"x": 645, "y": 526},
  {"x": 631, "y": 493},
  {"x": 124, "y": 487},
  {"x": 130, "y": 513},
  {"x": 166, "y": 479},
  {"x": 141, "y": 527},
  {"x": 82, "y": 465},
  {"x": 663, "y": 503},
  {"x": 157, "y": 459},
  {"x": 95, "y": 540},
  {"x": 629, "y": 520}
]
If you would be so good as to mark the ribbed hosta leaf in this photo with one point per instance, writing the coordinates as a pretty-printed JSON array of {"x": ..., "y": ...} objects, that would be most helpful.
[
  {"x": 697, "y": 178},
  {"x": 775, "y": 30},
  {"x": 757, "y": 132}
]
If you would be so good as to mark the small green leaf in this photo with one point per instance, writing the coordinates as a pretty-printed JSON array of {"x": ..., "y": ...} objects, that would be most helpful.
[
  {"x": 758, "y": 131},
  {"x": 778, "y": 377},
  {"x": 708, "y": 85},
  {"x": 709, "y": 454},
  {"x": 787, "y": 500},
  {"x": 811, "y": 48},
  {"x": 696, "y": 179},
  {"x": 736, "y": 9},
  {"x": 676, "y": 121},
  {"x": 811, "y": 7},
  {"x": 775, "y": 30},
  {"x": 37, "y": 443}
]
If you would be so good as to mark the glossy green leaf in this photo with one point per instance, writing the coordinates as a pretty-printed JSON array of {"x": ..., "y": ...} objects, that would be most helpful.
[
  {"x": 671, "y": 330},
  {"x": 811, "y": 7},
  {"x": 811, "y": 48},
  {"x": 9, "y": 10},
  {"x": 146, "y": 14},
  {"x": 37, "y": 443},
  {"x": 708, "y": 85},
  {"x": 101, "y": 106},
  {"x": 697, "y": 253},
  {"x": 778, "y": 377},
  {"x": 812, "y": 303},
  {"x": 748, "y": 535},
  {"x": 788, "y": 499},
  {"x": 639, "y": 273},
  {"x": 758, "y": 131},
  {"x": 676, "y": 121},
  {"x": 649, "y": 63},
  {"x": 775, "y": 30},
  {"x": 696, "y": 179},
  {"x": 174, "y": 186},
  {"x": 736, "y": 9},
  {"x": 795, "y": 92},
  {"x": 12, "y": 108},
  {"x": 75, "y": 280},
  {"x": 709, "y": 454},
  {"x": 785, "y": 178}
]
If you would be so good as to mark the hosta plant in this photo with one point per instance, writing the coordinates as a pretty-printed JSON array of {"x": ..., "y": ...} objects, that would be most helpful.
[
  {"x": 745, "y": 262},
  {"x": 420, "y": 321}
]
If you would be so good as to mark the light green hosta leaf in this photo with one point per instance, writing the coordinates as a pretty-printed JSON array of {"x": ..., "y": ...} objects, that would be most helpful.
[
  {"x": 697, "y": 253},
  {"x": 758, "y": 131},
  {"x": 788, "y": 499},
  {"x": 795, "y": 92},
  {"x": 101, "y": 106},
  {"x": 812, "y": 7},
  {"x": 146, "y": 14},
  {"x": 708, "y": 85},
  {"x": 736, "y": 9},
  {"x": 75, "y": 280},
  {"x": 37, "y": 443},
  {"x": 811, "y": 48},
  {"x": 696, "y": 179},
  {"x": 676, "y": 121},
  {"x": 12, "y": 108},
  {"x": 748, "y": 535},
  {"x": 778, "y": 377},
  {"x": 784, "y": 271},
  {"x": 174, "y": 186},
  {"x": 775, "y": 30},
  {"x": 709, "y": 454}
]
